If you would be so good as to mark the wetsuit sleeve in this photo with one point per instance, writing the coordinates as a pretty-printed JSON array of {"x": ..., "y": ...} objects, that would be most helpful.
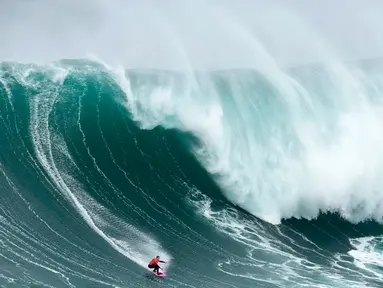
[{"x": 162, "y": 261}]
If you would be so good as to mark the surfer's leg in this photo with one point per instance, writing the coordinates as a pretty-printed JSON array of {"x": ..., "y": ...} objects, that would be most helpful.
[
  {"x": 157, "y": 269},
  {"x": 153, "y": 266}
]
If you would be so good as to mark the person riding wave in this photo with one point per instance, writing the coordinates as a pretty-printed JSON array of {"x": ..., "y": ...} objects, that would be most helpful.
[{"x": 154, "y": 264}]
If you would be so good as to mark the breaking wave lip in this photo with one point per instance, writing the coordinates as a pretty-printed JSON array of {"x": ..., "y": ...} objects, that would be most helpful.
[{"x": 309, "y": 142}]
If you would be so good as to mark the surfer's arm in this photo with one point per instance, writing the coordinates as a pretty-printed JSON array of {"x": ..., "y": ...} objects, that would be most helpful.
[{"x": 162, "y": 261}]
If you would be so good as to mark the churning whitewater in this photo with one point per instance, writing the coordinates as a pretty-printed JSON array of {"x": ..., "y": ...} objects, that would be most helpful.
[{"x": 241, "y": 142}]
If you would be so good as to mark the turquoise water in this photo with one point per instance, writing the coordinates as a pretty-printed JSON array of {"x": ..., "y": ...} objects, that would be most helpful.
[{"x": 237, "y": 179}]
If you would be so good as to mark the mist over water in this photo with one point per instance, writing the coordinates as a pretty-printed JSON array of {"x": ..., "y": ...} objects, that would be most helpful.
[{"x": 192, "y": 34}]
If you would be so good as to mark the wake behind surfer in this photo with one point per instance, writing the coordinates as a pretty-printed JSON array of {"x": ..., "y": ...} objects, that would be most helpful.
[{"x": 154, "y": 264}]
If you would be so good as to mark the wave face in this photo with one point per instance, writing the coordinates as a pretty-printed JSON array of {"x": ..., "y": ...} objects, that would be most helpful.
[
  {"x": 102, "y": 170},
  {"x": 243, "y": 154}
]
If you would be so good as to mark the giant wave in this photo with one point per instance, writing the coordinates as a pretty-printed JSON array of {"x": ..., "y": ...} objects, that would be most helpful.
[{"x": 215, "y": 152}]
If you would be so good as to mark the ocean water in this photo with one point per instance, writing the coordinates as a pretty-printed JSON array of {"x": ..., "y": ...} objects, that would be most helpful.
[{"x": 259, "y": 176}]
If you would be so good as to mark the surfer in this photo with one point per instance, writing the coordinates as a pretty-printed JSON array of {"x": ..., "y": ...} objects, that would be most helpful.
[{"x": 154, "y": 264}]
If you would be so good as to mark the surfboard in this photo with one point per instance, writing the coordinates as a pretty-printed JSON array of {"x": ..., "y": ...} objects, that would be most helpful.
[{"x": 159, "y": 275}]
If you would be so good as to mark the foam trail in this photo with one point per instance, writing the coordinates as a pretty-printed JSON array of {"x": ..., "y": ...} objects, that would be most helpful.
[{"x": 367, "y": 254}]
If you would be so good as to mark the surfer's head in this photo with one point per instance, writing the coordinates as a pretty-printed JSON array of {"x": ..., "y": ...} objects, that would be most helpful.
[{"x": 158, "y": 257}]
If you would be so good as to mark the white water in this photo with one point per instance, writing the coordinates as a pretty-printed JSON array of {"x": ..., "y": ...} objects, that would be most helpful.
[
  {"x": 367, "y": 256},
  {"x": 272, "y": 259}
]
